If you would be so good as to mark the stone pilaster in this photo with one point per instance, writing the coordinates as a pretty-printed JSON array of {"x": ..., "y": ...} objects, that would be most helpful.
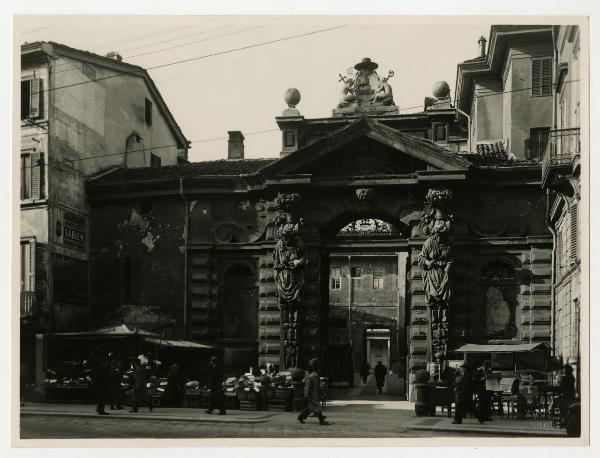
[{"x": 203, "y": 296}]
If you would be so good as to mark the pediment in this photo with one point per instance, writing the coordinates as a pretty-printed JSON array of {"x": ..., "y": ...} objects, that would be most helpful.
[{"x": 366, "y": 148}]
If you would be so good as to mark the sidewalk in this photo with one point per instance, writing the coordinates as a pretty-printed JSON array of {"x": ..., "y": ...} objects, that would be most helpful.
[
  {"x": 348, "y": 412},
  {"x": 160, "y": 414},
  {"x": 404, "y": 413}
]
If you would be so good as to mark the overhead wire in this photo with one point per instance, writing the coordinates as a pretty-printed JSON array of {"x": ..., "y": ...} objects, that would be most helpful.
[
  {"x": 399, "y": 108},
  {"x": 192, "y": 59}
]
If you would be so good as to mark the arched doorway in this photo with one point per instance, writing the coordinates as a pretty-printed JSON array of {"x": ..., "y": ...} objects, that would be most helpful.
[{"x": 367, "y": 259}]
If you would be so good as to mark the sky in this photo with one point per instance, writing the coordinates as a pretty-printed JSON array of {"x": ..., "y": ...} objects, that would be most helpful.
[{"x": 243, "y": 90}]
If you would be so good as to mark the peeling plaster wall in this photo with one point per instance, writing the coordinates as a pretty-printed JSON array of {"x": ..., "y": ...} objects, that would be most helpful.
[
  {"x": 138, "y": 242},
  {"x": 91, "y": 122}
]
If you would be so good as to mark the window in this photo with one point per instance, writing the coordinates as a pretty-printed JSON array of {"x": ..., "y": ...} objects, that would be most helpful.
[
  {"x": 88, "y": 70},
  {"x": 32, "y": 175},
  {"x": 356, "y": 274},
  {"x": 31, "y": 98},
  {"x": 574, "y": 237},
  {"x": 440, "y": 132},
  {"x": 28, "y": 265},
  {"x": 155, "y": 160},
  {"x": 378, "y": 279},
  {"x": 541, "y": 77},
  {"x": 538, "y": 139},
  {"x": 148, "y": 112},
  {"x": 289, "y": 138},
  {"x": 335, "y": 276}
]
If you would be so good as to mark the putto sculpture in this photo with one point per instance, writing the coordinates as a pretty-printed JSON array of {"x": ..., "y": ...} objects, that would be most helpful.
[
  {"x": 435, "y": 260},
  {"x": 290, "y": 262}
]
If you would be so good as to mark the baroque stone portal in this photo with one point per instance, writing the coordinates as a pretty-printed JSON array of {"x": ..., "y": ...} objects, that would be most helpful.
[
  {"x": 435, "y": 260},
  {"x": 289, "y": 264}
]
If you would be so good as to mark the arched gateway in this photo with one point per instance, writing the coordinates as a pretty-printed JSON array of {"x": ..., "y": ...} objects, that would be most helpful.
[{"x": 370, "y": 231}]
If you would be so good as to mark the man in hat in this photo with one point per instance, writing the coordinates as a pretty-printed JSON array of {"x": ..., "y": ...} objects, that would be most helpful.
[
  {"x": 215, "y": 383},
  {"x": 484, "y": 397},
  {"x": 312, "y": 394},
  {"x": 463, "y": 394}
]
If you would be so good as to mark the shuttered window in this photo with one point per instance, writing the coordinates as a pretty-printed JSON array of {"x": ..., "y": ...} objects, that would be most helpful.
[
  {"x": 559, "y": 258},
  {"x": 541, "y": 77},
  {"x": 31, "y": 98},
  {"x": 574, "y": 232},
  {"x": 28, "y": 265},
  {"x": 32, "y": 176}
]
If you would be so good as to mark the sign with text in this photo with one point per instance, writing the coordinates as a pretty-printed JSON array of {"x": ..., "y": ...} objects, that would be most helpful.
[{"x": 71, "y": 230}]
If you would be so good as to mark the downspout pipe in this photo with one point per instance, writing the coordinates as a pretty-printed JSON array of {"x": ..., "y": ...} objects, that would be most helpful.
[
  {"x": 552, "y": 274},
  {"x": 186, "y": 231},
  {"x": 468, "y": 128}
]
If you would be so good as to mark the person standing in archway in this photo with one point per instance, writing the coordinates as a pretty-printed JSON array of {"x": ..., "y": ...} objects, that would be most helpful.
[{"x": 380, "y": 372}]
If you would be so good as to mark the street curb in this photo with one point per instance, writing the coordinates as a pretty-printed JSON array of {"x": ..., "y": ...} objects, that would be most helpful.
[
  {"x": 489, "y": 432},
  {"x": 146, "y": 417}
]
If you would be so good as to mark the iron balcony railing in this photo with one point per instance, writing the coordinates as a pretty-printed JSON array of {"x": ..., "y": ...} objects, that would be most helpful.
[
  {"x": 563, "y": 145},
  {"x": 29, "y": 304}
]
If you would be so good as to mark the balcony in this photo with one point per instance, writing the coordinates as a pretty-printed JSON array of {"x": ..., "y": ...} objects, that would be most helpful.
[{"x": 561, "y": 159}]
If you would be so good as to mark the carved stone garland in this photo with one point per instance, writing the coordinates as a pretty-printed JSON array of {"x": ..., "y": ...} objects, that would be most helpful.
[
  {"x": 435, "y": 261},
  {"x": 290, "y": 262}
]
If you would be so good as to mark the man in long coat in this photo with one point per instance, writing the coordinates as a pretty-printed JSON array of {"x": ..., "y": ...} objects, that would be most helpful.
[
  {"x": 139, "y": 386},
  {"x": 215, "y": 383},
  {"x": 463, "y": 395},
  {"x": 312, "y": 394},
  {"x": 380, "y": 372}
]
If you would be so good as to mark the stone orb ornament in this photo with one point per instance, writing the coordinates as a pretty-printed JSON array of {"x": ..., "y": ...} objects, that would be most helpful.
[
  {"x": 441, "y": 90},
  {"x": 292, "y": 97}
]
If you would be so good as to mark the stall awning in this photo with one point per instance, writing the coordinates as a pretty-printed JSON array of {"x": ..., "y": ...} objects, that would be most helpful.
[
  {"x": 178, "y": 343},
  {"x": 501, "y": 348},
  {"x": 112, "y": 331}
]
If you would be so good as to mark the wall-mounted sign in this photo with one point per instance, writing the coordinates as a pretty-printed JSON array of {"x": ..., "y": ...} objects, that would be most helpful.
[{"x": 71, "y": 230}]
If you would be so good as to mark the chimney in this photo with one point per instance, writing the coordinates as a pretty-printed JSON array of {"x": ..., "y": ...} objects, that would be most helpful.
[
  {"x": 481, "y": 42},
  {"x": 115, "y": 55},
  {"x": 235, "y": 148}
]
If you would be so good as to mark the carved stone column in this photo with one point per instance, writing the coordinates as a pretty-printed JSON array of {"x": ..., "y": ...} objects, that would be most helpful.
[
  {"x": 289, "y": 264},
  {"x": 435, "y": 261}
]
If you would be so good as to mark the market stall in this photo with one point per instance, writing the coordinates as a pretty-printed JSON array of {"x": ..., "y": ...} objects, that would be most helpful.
[
  {"x": 69, "y": 361},
  {"x": 521, "y": 373}
]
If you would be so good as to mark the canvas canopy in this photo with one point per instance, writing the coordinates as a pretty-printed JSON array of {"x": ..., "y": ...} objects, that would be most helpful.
[
  {"x": 501, "y": 348},
  {"x": 178, "y": 343},
  {"x": 121, "y": 330}
]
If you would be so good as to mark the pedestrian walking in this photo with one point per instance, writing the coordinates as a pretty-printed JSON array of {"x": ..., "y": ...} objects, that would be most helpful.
[
  {"x": 463, "y": 394},
  {"x": 365, "y": 370},
  {"x": 215, "y": 383},
  {"x": 380, "y": 372},
  {"x": 139, "y": 387},
  {"x": 312, "y": 394},
  {"x": 100, "y": 380}
]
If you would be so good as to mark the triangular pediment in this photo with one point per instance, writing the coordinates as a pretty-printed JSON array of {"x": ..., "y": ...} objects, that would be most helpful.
[{"x": 364, "y": 148}]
